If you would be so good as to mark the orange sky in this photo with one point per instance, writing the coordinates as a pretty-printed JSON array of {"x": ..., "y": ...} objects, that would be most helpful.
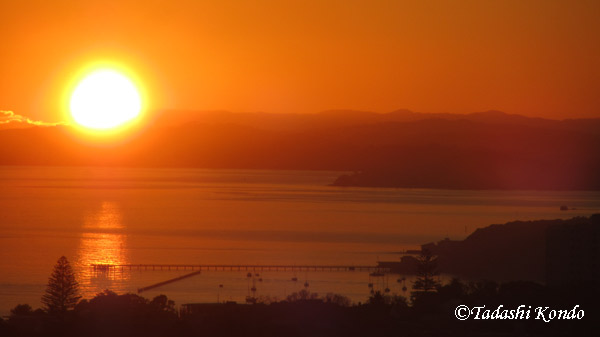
[{"x": 537, "y": 58}]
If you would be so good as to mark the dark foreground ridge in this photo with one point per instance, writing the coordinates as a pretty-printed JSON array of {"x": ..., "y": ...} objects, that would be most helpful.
[{"x": 304, "y": 314}]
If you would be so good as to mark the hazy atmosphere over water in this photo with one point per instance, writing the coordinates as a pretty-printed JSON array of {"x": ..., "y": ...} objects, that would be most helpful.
[{"x": 192, "y": 216}]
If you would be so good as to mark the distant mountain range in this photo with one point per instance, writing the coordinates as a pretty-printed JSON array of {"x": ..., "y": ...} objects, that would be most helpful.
[
  {"x": 487, "y": 150},
  {"x": 344, "y": 118}
]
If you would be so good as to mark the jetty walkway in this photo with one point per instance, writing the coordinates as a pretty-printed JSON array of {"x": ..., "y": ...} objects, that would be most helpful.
[{"x": 235, "y": 267}]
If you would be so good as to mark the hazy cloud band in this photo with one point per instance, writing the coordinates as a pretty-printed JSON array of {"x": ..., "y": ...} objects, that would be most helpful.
[{"x": 8, "y": 117}]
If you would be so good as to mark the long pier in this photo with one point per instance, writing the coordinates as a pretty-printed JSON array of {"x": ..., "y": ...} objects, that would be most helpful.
[{"x": 235, "y": 267}]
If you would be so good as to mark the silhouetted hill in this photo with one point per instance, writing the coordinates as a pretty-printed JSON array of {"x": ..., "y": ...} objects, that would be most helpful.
[
  {"x": 489, "y": 150},
  {"x": 526, "y": 250},
  {"x": 339, "y": 118}
]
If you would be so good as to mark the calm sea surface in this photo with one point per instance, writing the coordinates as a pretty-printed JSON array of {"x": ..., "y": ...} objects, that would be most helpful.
[{"x": 193, "y": 216}]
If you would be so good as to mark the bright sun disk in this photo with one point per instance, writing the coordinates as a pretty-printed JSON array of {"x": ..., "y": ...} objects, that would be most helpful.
[{"x": 105, "y": 99}]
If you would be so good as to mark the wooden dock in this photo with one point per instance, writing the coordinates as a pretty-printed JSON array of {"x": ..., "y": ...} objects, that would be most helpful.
[{"x": 234, "y": 267}]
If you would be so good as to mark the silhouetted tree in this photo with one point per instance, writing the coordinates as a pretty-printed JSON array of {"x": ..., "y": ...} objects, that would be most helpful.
[
  {"x": 21, "y": 310},
  {"x": 426, "y": 272},
  {"x": 162, "y": 303},
  {"x": 455, "y": 290},
  {"x": 24, "y": 321},
  {"x": 337, "y": 299},
  {"x": 423, "y": 297},
  {"x": 111, "y": 314},
  {"x": 62, "y": 291},
  {"x": 483, "y": 291},
  {"x": 378, "y": 299},
  {"x": 302, "y": 295}
]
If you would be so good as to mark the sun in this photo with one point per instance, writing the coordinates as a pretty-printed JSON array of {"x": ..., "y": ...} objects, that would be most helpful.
[{"x": 105, "y": 99}]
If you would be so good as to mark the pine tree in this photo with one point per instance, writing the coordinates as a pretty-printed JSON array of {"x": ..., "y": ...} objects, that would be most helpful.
[
  {"x": 62, "y": 292},
  {"x": 426, "y": 272}
]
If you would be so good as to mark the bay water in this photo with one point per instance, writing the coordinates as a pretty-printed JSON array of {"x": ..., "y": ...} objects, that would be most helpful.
[{"x": 96, "y": 215}]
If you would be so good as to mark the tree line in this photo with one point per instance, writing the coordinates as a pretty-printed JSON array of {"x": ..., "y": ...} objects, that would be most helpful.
[{"x": 428, "y": 311}]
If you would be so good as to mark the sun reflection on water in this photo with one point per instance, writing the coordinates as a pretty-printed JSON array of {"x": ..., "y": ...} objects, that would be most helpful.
[{"x": 102, "y": 242}]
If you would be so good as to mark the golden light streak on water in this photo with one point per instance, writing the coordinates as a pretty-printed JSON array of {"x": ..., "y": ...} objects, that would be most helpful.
[{"x": 102, "y": 242}]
